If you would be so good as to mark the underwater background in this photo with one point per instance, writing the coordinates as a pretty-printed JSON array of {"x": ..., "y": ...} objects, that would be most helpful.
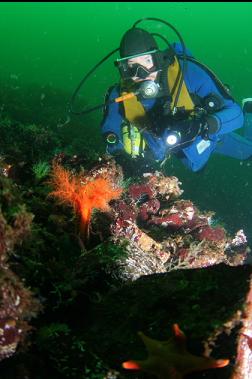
[
  {"x": 55, "y": 44},
  {"x": 73, "y": 293}
]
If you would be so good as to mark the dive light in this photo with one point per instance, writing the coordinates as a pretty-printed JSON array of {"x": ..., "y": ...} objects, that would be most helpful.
[{"x": 173, "y": 138}]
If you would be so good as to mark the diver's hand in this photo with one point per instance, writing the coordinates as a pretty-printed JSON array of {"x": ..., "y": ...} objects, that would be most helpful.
[
  {"x": 186, "y": 131},
  {"x": 209, "y": 126},
  {"x": 156, "y": 144},
  {"x": 182, "y": 133}
]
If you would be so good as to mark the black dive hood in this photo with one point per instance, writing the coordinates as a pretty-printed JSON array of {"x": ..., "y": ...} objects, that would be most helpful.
[{"x": 148, "y": 46}]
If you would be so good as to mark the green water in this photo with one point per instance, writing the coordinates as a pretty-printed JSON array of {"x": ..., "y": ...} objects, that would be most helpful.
[{"x": 57, "y": 43}]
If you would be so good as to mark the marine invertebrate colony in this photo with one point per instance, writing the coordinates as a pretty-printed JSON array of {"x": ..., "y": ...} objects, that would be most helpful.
[
  {"x": 83, "y": 193},
  {"x": 171, "y": 230}
]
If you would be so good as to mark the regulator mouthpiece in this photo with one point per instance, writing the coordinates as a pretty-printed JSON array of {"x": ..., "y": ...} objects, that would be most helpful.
[{"x": 148, "y": 89}]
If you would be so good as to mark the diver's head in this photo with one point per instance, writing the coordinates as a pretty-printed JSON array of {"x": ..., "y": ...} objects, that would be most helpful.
[
  {"x": 137, "y": 41},
  {"x": 139, "y": 56}
]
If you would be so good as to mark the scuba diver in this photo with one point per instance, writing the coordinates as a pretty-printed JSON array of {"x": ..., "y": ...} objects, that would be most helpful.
[{"x": 169, "y": 103}]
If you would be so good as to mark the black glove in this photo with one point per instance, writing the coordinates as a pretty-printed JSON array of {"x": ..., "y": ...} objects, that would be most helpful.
[
  {"x": 187, "y": 131},
  {"x": 210, "y": 126},
  {"x": 183, "y": 133}
]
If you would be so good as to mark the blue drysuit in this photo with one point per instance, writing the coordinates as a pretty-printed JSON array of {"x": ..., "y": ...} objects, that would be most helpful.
[{"x": 195, "y": 156}]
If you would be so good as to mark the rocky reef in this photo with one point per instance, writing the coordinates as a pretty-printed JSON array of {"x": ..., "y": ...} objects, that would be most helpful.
[
  {"x": 18, "y": 305},
  {"x": 89, "y": 258}
]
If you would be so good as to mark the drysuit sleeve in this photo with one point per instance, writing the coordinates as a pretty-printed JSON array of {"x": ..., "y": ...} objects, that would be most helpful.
[
  {"x": 112, "y": 121},
  {"x": 230, "y": 117}
]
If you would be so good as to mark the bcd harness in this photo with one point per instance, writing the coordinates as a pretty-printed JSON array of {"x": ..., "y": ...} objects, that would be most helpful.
[{"x": 137, "y": 119}]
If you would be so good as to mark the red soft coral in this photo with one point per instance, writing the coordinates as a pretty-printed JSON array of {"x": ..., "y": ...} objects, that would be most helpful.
[{"x": 83, "y": 193}]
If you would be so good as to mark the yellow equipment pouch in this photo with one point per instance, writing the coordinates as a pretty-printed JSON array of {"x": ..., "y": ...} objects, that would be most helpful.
[{"x": 133, "y": 141}]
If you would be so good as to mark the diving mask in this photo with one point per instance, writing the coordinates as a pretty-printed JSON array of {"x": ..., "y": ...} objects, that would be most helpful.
[{"x": 137, "y": 70}]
